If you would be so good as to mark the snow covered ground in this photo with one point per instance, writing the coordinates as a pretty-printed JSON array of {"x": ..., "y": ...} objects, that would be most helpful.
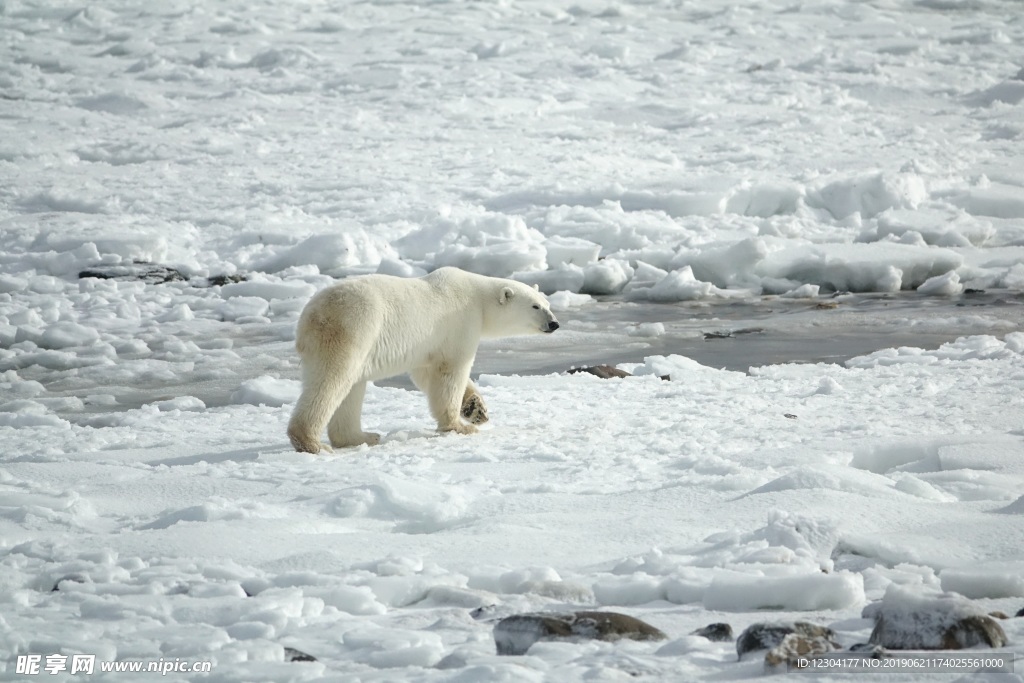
[{"x": 688, "y": 180}]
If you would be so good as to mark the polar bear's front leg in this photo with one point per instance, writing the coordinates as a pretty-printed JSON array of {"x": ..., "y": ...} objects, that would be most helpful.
[
  {"x": 445, "y": 386},
  {"x": 474, "y": 410},
  {"x": 345, "y": 427}
]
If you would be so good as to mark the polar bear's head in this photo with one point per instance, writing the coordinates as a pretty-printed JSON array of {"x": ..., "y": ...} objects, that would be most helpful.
[{"x": 521, "y": 310}]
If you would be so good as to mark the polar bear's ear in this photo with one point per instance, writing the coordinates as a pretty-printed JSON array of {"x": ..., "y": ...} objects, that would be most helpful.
[
  {"x": 505, "y": 295},
  {"x": 536, "y": 287}
]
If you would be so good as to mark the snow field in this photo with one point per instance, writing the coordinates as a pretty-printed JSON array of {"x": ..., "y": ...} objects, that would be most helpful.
[
  {"x": 373, "y": 559},
  {"x": 658, "y": 153}
]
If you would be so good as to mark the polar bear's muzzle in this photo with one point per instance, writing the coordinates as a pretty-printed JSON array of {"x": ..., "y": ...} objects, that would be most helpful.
[{"x": 552, "y": 326}]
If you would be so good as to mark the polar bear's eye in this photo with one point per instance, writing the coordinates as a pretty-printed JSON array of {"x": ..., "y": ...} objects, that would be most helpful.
[{"x": 536, "y": 307}]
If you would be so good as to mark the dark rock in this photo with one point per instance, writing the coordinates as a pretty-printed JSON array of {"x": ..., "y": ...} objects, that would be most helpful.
[
  {"x": 514, "y": 635},
  {"x": 794, "y": 647},
  {"x": 728, "y": 334},
  {"x": 1020, "y": 613},
  {"x": 72, "y": 578},
  {"x": 789, "y": 416},
  {"x": 765, "y": 636},
  {"x": 999, "y": 614},
  {"x": 150, "y": 273},
  {"x": 827, "y": 305},
  {"x": 293, "y": 655},
  {"x": 972, "y": 631},
  {"x": 602, "y": 371},
  {"x": 909, "y": 620},
  {"x": 718, "y": 632},
  {"x": 221, "y": 280}
]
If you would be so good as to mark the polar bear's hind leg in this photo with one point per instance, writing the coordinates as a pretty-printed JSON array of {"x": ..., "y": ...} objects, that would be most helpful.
[
  {"x": 329, "y": 368},
  {"x": 322, "y": 393},
  {"x": 345, "y": 427}
]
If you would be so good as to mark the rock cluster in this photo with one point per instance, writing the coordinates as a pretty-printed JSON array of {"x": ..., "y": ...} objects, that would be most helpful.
[
  {"x": 905, "y": 619},
  {"x": 514, "y": 635}
]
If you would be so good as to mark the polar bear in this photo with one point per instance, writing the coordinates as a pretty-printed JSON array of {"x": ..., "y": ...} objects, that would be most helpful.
[{"x": 376, "y": 326}]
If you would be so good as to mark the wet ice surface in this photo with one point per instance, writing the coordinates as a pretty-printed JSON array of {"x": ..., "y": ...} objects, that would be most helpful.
[
  {"x": 737, "y": 335},
  {"x": 732, "y": 335}
]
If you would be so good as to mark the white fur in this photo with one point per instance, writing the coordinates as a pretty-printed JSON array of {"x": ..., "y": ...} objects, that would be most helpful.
[{"x": 368, "y": 328}]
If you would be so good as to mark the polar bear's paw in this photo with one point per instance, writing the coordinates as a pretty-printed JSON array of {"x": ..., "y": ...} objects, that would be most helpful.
[
  {"x": 303, "y": 442},
  {"x": 474, "y": 410},
  {"x": 368, "y": 438}
]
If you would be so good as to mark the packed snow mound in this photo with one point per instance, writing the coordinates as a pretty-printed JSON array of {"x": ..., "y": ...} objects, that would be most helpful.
[
  {"x": 267, "y": 391},
  {"x": 983, "y": 583},
  {"x": 868, "y": 195},
  {"x": 979, "y": 347},
  {"x": 779, "y": 567},
  {"x": 791, "y": 593},
  {"x": 479, "y": 241},
  {"x": 332, "y": 253}
]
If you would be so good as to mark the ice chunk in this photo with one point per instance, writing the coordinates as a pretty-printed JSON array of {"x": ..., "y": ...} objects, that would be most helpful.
[
  {"x": 564, "y": 277},
  {"x": 947, "y": 284},
  {"x": 564, "y": 301},
  {"x": 609, "y": 276},
  {"x": 268, "y": 391},
  {"x": 984, "y": 582},
  {"x": 816, "y": 591},
  {"x": 869, "y": 195},
  {"x": 570, "y": 250}
]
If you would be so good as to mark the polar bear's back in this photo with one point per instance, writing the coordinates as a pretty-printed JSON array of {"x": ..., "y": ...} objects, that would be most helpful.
[{"x": 388, "y": 323}]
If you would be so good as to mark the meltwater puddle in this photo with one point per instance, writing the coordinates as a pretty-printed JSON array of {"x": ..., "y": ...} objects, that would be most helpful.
[{"x": 740, "y": 334}]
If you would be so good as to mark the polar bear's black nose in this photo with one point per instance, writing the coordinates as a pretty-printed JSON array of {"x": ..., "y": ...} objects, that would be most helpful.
[{"x": 552, "y": 326}]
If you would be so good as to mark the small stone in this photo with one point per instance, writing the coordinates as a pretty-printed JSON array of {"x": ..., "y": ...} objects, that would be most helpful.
[
  {"x": 718, "y": 632},
  {"x": 765, "y": 636},
  {"x": 794, "y": 647},
  {"x": 1020, "y": 613},
  {"x": 998, "y": 614},
  {"x": 514, "y": 635},
  {"x": 293, "y": 655},
  {"x": 827, "y": 305},
  {"x": 602, "y": 371}
]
